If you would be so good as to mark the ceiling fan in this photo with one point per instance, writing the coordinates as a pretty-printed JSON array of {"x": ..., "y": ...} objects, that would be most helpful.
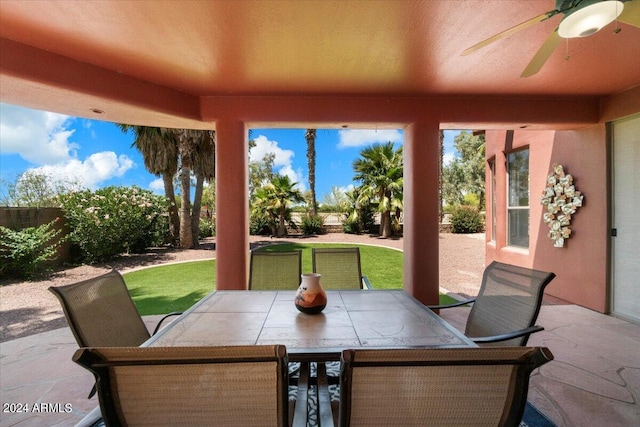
[{"x": 582, "y": 18}]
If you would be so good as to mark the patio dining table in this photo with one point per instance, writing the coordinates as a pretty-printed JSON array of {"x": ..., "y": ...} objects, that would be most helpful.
[{"x": 352, "y": 319}]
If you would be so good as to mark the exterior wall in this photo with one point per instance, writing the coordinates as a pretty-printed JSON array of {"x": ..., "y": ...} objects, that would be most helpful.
[
  {"x": 19, "y": 218},
  {"x": 581, "y": 265}
]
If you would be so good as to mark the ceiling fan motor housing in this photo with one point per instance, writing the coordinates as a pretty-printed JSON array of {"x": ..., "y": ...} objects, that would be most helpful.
[{"x": 586, "y": 17}]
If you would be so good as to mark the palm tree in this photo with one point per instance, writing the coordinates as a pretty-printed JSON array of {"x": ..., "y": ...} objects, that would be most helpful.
[
  {"x": 310, "y": 136},
  {"x": 204, "y": 166},
  {"x": 197, "y": 156},
  {"x": 275, "y": 200},
  {"x": 159, "y": 150},
  {"x": 380, "y": 169}
]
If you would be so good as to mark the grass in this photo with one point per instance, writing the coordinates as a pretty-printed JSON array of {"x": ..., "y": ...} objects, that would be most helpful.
[
  {"x": 173, "y": 287},
  {"x": 382, "y": 266},
  {"x": 176, "y": 287}
]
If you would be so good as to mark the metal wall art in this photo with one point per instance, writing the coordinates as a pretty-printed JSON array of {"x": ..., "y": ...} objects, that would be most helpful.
[{"x": 561, "y": 200}]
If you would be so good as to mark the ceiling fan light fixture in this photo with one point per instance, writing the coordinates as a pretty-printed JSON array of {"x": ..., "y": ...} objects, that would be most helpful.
[{"x": 590, "y": 19}]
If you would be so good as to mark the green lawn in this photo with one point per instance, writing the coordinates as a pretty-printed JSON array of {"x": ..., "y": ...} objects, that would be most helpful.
[
  {"x": 382, "y": 266},
  {"x": 176, "y": 287}
]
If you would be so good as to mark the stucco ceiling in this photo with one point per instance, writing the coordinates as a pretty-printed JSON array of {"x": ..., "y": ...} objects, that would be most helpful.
[{"x": 301, "y": 48}]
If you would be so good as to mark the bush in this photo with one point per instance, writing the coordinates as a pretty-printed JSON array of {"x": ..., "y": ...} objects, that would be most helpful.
[
  {"x": 471, "y": 199},
  {"x": 466, "y": 219},
  {"x": 114, "y": 220},
  {"x": 312, "y": 224},
  {"x": 207, "y": 228},
  {"x": 350, "y": 226},
  {"x": 259, "y": 225},
  {"x": 25, "y": 253}
]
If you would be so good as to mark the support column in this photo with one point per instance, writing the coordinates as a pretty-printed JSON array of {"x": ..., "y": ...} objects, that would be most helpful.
[
  {"x": 421, "y": 222},
  {"x": 232, "y": 206}
]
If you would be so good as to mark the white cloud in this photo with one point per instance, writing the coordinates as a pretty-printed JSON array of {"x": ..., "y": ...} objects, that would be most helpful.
[
  {"x": 346, "y": 188},
  {"x": 157, "y": 186},
  {"x": 295, "y": 176},
  {"x": 362, "y": 137},
  {"x": 37, "y": 136},
  {"x": 43, "y": 138},
  {"x": 265, "y": 146},
  {"x": 448, "y": 158},
  {"x": 97, "y": 168},
  {"x": 282, "y": 163}
]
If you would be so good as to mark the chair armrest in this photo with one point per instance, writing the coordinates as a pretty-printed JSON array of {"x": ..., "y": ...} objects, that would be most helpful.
[
  {"x": 173, "y": 313},
  {"x": 366, "y": 284},
  {"x": 91, "y": 418},
  {"x": 455, "y": 304},
  {"x": 508, "y": 336}
]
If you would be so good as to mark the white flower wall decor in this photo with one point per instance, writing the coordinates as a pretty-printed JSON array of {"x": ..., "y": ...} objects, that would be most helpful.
[{"x": 561, "y": 200}]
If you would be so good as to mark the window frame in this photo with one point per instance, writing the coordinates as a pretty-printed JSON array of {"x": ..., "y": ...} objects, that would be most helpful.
[{"x": 512, "y": 228}]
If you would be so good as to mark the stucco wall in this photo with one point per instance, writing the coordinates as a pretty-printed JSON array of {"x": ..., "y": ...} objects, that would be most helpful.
[
  {"x": 581, "y": 265},
  {"x": 19, "y": 218}
]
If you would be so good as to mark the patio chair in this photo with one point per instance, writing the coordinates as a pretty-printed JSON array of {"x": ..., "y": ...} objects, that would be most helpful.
[
  {"x": 275, "y": 270},
  {"x": 340, "y": 268},
  {"x": 440, "y": 387},
  {"x": 507, "y": 305},
  {"x": 101, "y": 313},
  {"x": 190, "y": 386}
]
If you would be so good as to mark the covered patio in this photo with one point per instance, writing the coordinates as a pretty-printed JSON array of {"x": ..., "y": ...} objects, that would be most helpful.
[
  {"x": 594, "y": 379},
  {"x": 231, "y": 66}
]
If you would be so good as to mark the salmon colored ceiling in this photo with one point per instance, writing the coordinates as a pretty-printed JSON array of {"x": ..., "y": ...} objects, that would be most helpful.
[{"x": 300, "y": 48}]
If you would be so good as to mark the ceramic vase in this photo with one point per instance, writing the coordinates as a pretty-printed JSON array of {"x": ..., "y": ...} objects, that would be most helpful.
[{"x": 310, "y": 297}]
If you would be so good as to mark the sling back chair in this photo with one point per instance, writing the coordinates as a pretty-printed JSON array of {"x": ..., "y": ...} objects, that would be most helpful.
[
  {"x": 340, "y": 268},
  {"x": 101, "y": 313},
  {"x": 190, "y": 386},
  {"x": 275, "y": 270},
  {"x": 439, "y": 387},
  {"x": 507, "y": 305}
]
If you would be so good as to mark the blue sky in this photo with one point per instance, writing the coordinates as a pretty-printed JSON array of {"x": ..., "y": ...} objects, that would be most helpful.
[{"x": 97, "y": 154}]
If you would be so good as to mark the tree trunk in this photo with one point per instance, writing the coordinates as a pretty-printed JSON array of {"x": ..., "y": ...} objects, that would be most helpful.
[
  {"x": 195, "y": 211},
  {"x": 385, "y": 225},
  {"x": 311, "y": 162},
  {"x": 186, "y": 235},
  {"x": 282, "y": 225},
  {"x": 174, "y": 218}
]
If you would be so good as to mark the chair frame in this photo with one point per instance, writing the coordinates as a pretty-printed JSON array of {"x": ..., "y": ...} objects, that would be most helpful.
[
  {"x": 525, "y": 360},
  {"x": 524, "y": 333},
  {"x": 69, "y": 311},
  {"x": 103, "y": 363},
  {"x": 64, "y": 295},
  {"x": 274, "y": 254},
  {"x": 364, "y": 281}
]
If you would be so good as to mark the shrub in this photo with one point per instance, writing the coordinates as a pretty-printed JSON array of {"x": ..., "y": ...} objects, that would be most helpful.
[
  {"x": 259, "y": 225},
  {"x": 471, "y": 199},
  {"x": 25, "y": 253},
  {"x": 466, "y": 219},
  {"x": 351, "y": 226},
  {"x": 312, "y": 224},
  {"x": 206, "y": 229},
  {"x": 114, "y": 220}
]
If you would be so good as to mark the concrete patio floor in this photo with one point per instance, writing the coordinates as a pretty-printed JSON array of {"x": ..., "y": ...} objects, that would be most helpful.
[{"x": 593, "y": 381}]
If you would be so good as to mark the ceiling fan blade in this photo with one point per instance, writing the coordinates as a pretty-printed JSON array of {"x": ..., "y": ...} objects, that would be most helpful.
[
  {"x": 542, "y": 55},
  {"x": 631, "y": 13},
  {"x": 510, "y": 31}
]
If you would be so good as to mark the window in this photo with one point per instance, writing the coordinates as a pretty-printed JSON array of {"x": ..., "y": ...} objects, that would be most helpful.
[{"x": 518, "y": 198}]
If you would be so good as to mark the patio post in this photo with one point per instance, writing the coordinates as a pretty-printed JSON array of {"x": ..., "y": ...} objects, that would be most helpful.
[
  {"x": 421, "y": 225},
  {"x": 232, "y": 207}
]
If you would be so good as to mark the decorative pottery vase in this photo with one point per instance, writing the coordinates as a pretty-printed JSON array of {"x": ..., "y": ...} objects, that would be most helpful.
[{"x": 310, "y": 297}]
